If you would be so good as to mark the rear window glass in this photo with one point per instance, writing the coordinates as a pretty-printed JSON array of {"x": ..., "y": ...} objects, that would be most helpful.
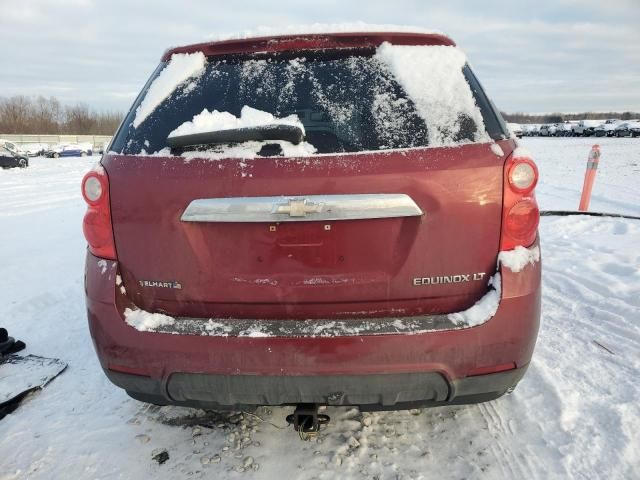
[{"x": 348, "y": 101}]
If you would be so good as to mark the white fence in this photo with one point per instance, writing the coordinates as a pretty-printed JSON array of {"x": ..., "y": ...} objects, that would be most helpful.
[{"x": 97, "y": 140}]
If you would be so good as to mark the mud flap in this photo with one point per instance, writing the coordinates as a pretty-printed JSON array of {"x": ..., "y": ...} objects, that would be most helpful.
[{"x": 21, "y": 375}]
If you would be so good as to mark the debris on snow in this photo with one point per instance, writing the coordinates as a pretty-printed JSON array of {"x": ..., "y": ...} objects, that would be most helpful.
[
  {"x": 160, "y": 455},
  {"x": 603, "y": 347},
  {"x": 518, "y": 258}
]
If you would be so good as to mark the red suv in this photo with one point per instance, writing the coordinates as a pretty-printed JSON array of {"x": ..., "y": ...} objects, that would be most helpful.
[{"x": 336, "y": 219}]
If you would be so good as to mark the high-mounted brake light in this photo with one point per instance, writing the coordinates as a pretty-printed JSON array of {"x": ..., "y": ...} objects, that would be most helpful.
[
  {"x": 520, "y": 213},
  {"x": 97, "y": 226}
]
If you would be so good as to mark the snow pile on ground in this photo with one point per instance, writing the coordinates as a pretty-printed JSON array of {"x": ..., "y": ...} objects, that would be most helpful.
[
  {"x": 207, "y": 121},
  {"x": 146, "y": 321},
  {"x": 432, "y": 77},
  {"x": 180, "y": 68},
  {"x": 353, "y": 27},
  {"x": 518, "y": 258},
  {"x": 483, "y": 309}
]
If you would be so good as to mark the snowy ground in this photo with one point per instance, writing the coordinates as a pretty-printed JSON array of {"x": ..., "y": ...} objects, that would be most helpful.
[{"x": 575, "y": 415}]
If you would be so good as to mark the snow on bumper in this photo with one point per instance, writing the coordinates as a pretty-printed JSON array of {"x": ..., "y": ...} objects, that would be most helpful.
[
  {"x": 481, "y": 312},
  {"x": 455, "y": 351}
]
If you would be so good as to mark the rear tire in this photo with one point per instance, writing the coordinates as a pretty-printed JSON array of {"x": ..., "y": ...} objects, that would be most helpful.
[
  {"x": 22, "y": 163},
  {"x": 83, "y": 154}
]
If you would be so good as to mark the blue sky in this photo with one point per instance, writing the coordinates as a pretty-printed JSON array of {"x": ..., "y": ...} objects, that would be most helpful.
[{"x": 536, "y": 56}]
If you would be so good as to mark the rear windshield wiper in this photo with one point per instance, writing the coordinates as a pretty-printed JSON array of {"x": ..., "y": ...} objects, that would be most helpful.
[{"x": 289, "y": 133}]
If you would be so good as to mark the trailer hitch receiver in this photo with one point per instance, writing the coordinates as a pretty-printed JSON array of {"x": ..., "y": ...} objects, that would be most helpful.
[{"x": 307, "y": 421}]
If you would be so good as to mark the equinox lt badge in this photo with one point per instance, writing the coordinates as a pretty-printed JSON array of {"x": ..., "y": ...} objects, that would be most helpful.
[{"x": 461, "y": 278}]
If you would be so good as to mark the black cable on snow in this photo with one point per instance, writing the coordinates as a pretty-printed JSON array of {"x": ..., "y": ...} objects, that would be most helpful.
[{"x": 566, "y": 213}]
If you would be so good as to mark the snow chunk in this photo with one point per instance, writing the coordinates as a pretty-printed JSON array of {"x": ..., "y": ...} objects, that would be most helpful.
[
  {"x": 180, "y": 68},
  {"x": 521, "y": 152},
  {"x": 315, "y": 28},
  {"x": 145, "y": 321},
  {"x": 207, "y": 121},
  {"x": 495, "y": 148},
  {"x": 432, "y": 77},
  {"x": 484, "y": 309},
  {"x": 518, "y": 258},
  {"x": 103, "y": 266}
]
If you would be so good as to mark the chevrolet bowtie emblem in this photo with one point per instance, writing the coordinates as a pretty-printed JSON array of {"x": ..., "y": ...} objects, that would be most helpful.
[{"x": 298, "y": 207}]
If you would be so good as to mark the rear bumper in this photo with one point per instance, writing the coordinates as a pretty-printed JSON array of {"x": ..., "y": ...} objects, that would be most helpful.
[
  {"x": 387, "y": 371},
  {"x": 372, "y": 391}
]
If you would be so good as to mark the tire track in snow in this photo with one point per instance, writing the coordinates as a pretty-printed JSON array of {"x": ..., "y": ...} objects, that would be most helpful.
[{"x": 509, "y": 462}]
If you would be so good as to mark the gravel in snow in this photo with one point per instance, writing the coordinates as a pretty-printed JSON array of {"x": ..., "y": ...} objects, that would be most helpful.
[{"x": 575, "y": 414}]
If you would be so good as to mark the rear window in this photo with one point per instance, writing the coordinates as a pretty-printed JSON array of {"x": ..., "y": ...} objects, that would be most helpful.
[{"x": 347, "y": 100}]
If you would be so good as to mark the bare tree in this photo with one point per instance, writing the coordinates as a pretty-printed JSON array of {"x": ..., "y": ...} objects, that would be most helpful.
[{"x": 20, "y": 114}]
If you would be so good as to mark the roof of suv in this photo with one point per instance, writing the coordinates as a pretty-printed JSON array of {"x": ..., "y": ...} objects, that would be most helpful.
[{"x": 304, "y": 41}]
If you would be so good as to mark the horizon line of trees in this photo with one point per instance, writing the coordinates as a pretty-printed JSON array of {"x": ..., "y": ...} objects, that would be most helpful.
[
  {"x": 40, "y": 115},
  {"x": 525, "y": 118}
]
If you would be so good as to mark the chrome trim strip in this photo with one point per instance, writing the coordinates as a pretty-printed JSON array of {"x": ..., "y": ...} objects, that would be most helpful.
[{"x": 301, "y": 208}]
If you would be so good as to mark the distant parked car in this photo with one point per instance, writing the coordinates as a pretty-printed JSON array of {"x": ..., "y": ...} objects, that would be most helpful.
[
  {"x": 515, "y": 129},
  {"x": 547, "y": 130},
  {"x": 66, "y": 151},
  {"x": 563, "y": 129},
  {"x": 586, "y": 128},
  {"x": 35, "y": 149},
  {"x": 11, "y": 146},
  {"x": 628, "y": 128},
  {"x": 9, "y": 159},
  {"x": 86, "y": 147},
  {"x": 607, "y": 128}
]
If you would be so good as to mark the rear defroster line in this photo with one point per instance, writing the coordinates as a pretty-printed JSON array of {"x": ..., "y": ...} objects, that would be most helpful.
[{"x": 567, "y": 213}]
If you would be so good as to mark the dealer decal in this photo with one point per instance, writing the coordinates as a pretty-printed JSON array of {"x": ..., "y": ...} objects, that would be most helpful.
[{"x": 160, "y": 284}]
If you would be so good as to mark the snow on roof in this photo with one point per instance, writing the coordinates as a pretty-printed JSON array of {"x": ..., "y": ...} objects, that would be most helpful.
[
  {"x": 320, "y": 28},
  {"x": 180, "y": 68}
]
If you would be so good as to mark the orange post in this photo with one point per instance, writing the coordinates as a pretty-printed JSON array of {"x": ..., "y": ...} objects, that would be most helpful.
[{"x": 589, "y": 177}]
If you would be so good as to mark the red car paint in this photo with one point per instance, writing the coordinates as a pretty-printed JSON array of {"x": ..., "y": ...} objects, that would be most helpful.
[{"x": 324, "y": 270}]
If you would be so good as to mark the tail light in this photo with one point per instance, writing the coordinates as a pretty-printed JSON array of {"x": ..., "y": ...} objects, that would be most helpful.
[
  {"x": 97, "y": 226},
  {"x": 520, "y": 213}
]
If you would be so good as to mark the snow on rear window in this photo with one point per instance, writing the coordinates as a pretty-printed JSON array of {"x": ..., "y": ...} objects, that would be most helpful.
[
  {"x": 432, "y": 77},
  {"x": 392, "y": 97},
  {"x": 180, "y": 68}
]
